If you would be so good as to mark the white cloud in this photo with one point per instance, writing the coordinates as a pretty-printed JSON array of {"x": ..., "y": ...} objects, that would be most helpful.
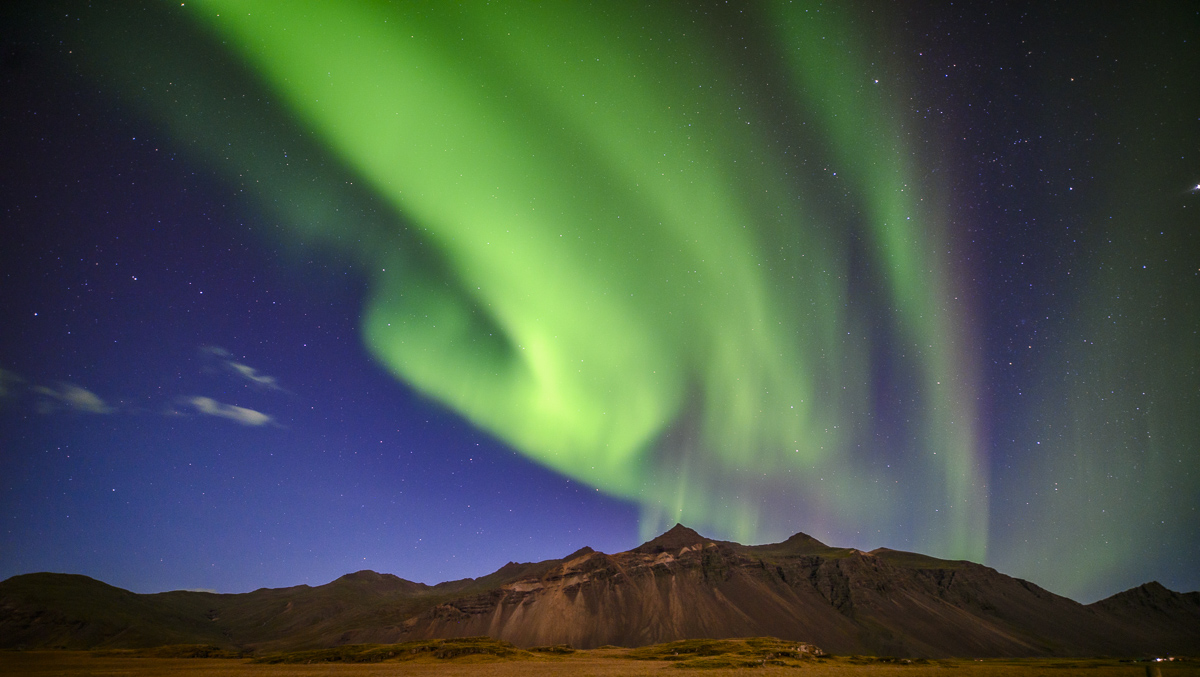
[
  {"x": 252, "y": 374},
  {"x": 207, "y": 405},
  {"x": 244, "y": 370},
  {"x": 7, "y": 378},
  {"x": 74, "y": 397},
  {"x": 215, "y": 350}
]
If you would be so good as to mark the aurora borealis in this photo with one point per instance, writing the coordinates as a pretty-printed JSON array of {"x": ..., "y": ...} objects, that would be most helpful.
[
  {"x": 603, "y": 277},
  {"x": 888, "y": 276}
]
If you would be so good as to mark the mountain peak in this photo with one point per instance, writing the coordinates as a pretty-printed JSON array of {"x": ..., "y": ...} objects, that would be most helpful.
[
  {"x": 375, "y": 581},
  {"x": 585, "y": 550},
  {"x": 676, "y": 538},
  {"x": 801, "y": 539},
  {"x": 366, "y": 575},
  {"x": 1152, "y": 594}
]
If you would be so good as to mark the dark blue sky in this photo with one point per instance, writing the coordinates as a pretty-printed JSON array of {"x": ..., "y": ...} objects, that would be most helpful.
[
  {"x": 187, "y": 400},
  {"x": 124, "y": 268}
]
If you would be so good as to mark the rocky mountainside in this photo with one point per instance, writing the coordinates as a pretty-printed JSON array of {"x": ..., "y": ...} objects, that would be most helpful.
[{"x": 677, "y": 586}]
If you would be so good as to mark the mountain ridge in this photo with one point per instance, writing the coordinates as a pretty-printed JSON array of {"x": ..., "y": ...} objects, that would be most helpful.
[{"x": 679, "y": 585}]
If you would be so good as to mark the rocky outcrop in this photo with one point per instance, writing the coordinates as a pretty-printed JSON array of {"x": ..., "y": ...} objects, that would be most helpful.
[{"x": 677, "y": 586}]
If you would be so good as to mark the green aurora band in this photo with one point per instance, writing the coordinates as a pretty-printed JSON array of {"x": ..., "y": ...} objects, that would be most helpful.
[
  {"x": 704, "y": 265},
  {"x": 635, "y": 286},
  {"x": 610, "y": 249}
]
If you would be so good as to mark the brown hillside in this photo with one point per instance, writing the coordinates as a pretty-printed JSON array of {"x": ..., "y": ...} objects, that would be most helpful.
[{"x": 674, "y": 587}]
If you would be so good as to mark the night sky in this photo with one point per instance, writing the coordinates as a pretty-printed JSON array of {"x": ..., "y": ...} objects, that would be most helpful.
[{"x": 290, "y": 289}]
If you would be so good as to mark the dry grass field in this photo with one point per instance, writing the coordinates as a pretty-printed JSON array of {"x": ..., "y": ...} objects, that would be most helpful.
[{"x": 451, "y": 659}]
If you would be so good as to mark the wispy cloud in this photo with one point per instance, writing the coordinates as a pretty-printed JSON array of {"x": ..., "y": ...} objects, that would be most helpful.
[
  {"x": 7, "y": 380},
  {"x": 243, "y": 370},
  {"x": 215, "y": 350},
  {"x": 252, "y": 374},
  {"x": 207, "y": 405},
  {"x": 74, "y": 397}
]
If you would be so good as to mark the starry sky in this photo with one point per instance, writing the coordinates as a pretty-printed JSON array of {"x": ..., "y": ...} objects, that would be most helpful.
[{"x": 292, "y": 289}]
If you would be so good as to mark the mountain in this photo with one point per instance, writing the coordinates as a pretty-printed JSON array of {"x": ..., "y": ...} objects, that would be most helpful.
[
  {"x": 679, "y": 585},
  {"x": 1165, "y": 615}
]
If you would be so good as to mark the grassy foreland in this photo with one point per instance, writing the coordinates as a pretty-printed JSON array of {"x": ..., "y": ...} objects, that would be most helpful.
[{"x": 479, "y": 656}]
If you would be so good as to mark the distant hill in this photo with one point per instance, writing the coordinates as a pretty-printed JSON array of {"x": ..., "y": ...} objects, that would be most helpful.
[{"x": 680, "y": 585}]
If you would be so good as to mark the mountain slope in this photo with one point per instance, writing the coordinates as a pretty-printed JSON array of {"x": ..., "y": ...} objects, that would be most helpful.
[
  {"x": 677, "y": 586},
  {"x": 76, "y": 612}
]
